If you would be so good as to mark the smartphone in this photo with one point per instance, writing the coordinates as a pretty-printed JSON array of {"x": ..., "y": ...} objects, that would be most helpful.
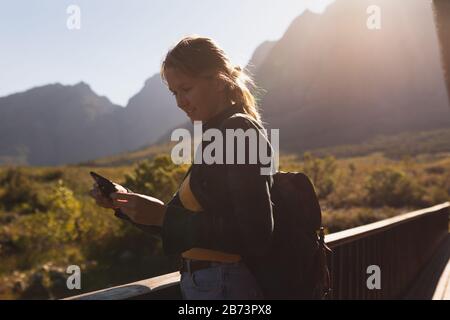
[{"x": 106, "y": 186}]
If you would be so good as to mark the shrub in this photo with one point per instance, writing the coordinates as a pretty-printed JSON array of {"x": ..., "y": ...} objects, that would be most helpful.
[
  {"x": 20, "y": 193},
  {"x": 159, "y": 178},
  {"x": 390, "y": 187},
  {"x": 321, "y": 172}
]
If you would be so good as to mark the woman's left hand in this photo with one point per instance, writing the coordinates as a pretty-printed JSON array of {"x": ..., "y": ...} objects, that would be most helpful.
[{"x": 140, "y": 208}]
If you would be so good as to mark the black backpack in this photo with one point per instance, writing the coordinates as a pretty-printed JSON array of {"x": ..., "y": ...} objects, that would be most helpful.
[{"x": 297, "y": 264}]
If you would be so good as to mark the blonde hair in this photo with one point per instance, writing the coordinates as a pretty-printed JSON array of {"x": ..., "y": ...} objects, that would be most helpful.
[{"x": 200, "y": 56}]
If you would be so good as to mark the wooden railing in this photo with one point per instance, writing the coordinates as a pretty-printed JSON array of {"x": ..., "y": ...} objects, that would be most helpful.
[{"x": 400, "y": 246}]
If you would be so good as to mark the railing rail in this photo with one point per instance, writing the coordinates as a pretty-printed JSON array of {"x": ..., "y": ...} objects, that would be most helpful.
[{"x": 400, "y": 246}]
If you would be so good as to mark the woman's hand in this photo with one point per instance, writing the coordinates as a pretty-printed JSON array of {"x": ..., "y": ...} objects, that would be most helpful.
[
  {"x": 100, "y": 199},
  {"x": 140, "y": 208}
]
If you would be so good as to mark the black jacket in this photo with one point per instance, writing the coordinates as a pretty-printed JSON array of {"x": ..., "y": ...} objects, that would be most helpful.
[{"x": 237, "y": 216}]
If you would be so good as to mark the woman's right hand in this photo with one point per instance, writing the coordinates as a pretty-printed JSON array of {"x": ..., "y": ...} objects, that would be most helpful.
[{"x": 101, "y": 200}]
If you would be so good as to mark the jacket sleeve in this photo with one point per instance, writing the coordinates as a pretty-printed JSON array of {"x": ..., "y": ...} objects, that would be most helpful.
[{"x": 247, "y": 230}]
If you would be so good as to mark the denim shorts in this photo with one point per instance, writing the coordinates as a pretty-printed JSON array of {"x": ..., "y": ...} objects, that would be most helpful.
[{"x": 221, "y": 281}]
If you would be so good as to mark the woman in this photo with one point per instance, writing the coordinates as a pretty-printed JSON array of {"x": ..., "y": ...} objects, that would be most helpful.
[{"x": 220, "y": 220}]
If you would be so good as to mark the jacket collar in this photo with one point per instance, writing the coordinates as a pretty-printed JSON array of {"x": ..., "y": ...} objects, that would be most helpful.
[{"x": 216, "y": 121}]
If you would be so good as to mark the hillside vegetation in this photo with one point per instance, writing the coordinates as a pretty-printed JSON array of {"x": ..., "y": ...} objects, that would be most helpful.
[{"x": 48, "y": 221}]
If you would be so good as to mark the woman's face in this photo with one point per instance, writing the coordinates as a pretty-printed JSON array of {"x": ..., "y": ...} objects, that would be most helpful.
[{"x": 201, "y": 98}]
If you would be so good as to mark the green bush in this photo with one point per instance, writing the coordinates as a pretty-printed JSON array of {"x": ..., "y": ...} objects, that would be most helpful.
[
  {"x": 321, "y": 172},
  {"x": 437, "y": 188},
  {"x": 391, "y": 187},
  {"x": 51, "y": 175},
  {"x": 71, "y": 229},
  {"x": 56, "y": 226},
  {"x": 159, "y": 178},
  {"x": 20, "y": 193},
  {"x": 348, "y": 191}
]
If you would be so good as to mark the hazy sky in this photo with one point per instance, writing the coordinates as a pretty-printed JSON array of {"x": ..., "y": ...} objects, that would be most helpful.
[{"x": 122, "y": 43}]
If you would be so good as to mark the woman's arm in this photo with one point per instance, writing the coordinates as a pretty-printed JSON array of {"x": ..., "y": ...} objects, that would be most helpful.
[{"x": 141, "y": 209}]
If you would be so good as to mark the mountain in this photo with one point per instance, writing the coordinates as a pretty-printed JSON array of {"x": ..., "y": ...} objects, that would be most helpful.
[
  {"x": 330, "y": 80},
  {"x": 57, "y": 124},
  {"x": 259, "y": 56},
  {"x": 150, "y": 113}
]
